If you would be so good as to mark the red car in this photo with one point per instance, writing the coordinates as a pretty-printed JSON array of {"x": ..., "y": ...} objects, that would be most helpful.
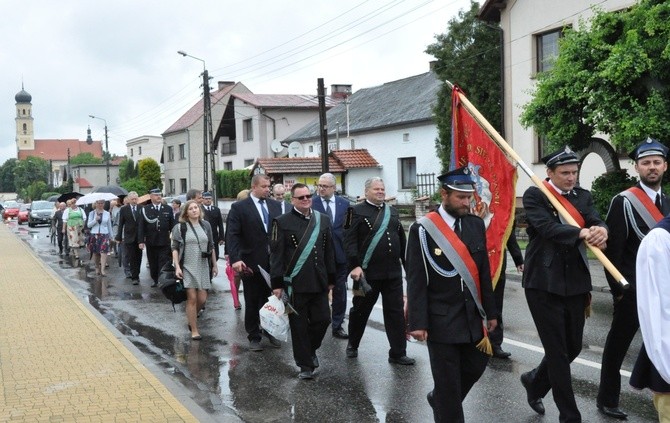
[
  {"x": 24, "y": 211},
  {"x": 11, "y": 210}
]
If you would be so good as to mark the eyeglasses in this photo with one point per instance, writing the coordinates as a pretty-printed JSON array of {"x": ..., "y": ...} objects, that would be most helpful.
[
  {"x": 325, "y": 186},
  {"x": 304, "y": 197}
]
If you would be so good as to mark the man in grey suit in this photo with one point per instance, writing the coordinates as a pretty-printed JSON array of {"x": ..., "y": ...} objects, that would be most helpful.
[
  {"x": 336, "y": 209},
  {"x": 248, "y": 247}
]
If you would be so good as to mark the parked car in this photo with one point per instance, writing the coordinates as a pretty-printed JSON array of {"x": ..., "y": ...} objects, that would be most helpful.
[
  {"x": 22, "y": 217},
  {"x": 41, "y": 212},
  {"x": 11, "y": 210}
]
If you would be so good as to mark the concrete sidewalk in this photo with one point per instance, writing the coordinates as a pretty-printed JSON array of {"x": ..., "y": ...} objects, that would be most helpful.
[{"x": 61, "y": 361}]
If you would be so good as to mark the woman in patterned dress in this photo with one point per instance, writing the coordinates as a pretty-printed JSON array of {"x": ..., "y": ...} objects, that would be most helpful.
[
  {"x": 193, "y": 257},
  {"x": 73, "y": 224},
  {"x": 99, "y": 223}
]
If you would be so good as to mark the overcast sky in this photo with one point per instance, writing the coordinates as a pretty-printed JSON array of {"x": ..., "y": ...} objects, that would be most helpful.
[{"x": 118, "y": 59}]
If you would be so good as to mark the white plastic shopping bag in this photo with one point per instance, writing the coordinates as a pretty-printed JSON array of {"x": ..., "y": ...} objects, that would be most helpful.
[{"x": 274, "y": 319}]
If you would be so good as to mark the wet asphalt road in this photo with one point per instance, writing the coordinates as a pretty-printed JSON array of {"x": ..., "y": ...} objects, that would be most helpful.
[{"x": 232, "y": 383}]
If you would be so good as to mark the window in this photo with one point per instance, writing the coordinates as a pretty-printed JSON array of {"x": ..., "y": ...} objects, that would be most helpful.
[
  {"x": 25, "y": 128},
  {"x": 182, "y": 152},
  {"x": 247, "y": 130},
  {"x": 408, "y": 172},
  {"x": 543, "y": 147},
  {"x": 131, "y": 152},
  {"x": 547, "y": 49},
  {"x": 310, "y": 148},
  {"x": 184, "y": 185},
  {"x": 139, "y": 150},
  {"x": 405, "y": 137},
  {"x": 227, "y": 165},
  {"x": 171, "y": 185},
  {"x": 171, "y": 153},
  {"x": 228, "y": 146},
  {"x": 248, "y": 162}
]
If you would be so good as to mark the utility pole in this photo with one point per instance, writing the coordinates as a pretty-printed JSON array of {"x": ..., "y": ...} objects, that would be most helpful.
[
  {"x": 321, "y": 93},
  {"x": 106, "y": 143}
]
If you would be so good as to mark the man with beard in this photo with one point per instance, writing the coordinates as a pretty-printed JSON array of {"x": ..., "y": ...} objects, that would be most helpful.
[
  {"x": 248, "y": 247},
  {"x": 633, "y": 213},
  {"x": 450, "y": 295}
]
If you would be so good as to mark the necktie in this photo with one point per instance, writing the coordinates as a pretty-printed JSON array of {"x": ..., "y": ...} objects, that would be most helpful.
[
  {"x": 266, "y": 215},
  {"x": 329, "y": 211},
  {"x": 457, "y": 227},
  {"x": 658, "y": 202},
  {"x": 134, "y": 213}
]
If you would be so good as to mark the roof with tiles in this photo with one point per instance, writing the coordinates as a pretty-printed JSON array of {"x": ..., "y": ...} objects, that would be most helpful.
[
  {"x": 405, "y": 101},
  {"x": 196, "y": 111},
  {"x": 302, "y": 101},
  {"x": 57, "y": 149},
  {"x": 297, "y": 165},
  {"x": 352, "y": 159}
]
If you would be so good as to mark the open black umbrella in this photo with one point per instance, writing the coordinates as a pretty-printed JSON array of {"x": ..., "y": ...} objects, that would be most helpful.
[
  {"x": 67, "y": 196},
  {"x": 112, "y": 189}
]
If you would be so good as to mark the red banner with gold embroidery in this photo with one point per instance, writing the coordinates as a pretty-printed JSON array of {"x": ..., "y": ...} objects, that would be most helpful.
[{"x": 495, "y": 177}]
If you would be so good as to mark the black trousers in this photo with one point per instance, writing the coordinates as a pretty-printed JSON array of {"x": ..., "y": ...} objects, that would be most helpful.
[
  {"x": 308, "y": 327},
  {"x": 256, "y": 293},
  {"x": 157, "y": 255},
  {"x": 496, "y": 336},
  {"x": 455, "y": 368},
  {"x": 134, "y": 254},
  {"x": 339, "y": 295},
  {"x": 394, "y": 315},
  {"x": 560, "y": 324},
  {"x": 625, "y": 324}
]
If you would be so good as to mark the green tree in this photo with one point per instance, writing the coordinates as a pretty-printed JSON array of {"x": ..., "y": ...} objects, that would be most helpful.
[
  {"x": 127, "y": 170},
  {"x": 135, "y": 184},
  {"x": 612, "y": 76},
  {"x": 33, "y": 191},
  {"x": 232, "y": 181},
  {"x": 30, "y": 170},
  {"x": 468, "y": 55},
  {"x": 85, "y": 158},
  {"x": 149, "y": 171},
  {"x": 7, "y": 176}
]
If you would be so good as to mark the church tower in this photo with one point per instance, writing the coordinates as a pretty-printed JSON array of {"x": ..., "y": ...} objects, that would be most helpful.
[{"x": 25, "y": 135}]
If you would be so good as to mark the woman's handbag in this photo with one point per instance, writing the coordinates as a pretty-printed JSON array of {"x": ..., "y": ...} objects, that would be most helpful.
[{"x": 172, "y": 288}]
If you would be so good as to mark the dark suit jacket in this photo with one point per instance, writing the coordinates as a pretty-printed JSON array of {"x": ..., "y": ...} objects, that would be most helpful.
[
  {"x": 623, "y": 241},
  {"x": 128, "y": 226},
  {"x": 215, "y": 219},
  {"x": 553, "y": 261},
  {"x": 156, "y": 234},
  {"x": 319, "y": 269},
  {"x": 341, "y": 207},
  {"x": 387, "y": 257},
  {"x": 246, "y": 237},
  {"x": 437, "y": 303}
]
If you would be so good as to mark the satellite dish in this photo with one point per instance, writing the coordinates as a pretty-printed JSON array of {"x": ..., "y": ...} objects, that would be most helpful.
[
  {"x": 295, "y": 149},
  {"x": 276, "y": 146}
]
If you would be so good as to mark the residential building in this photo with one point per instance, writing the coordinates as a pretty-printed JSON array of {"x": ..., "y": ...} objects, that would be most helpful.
[
  {"x": 147, "y": 146},
  {"x": 183, "y": 154},
  {"x": 393, "y": 122},
  {"x": 532, "y": 29},
  {"x": 86, "y": 177}
]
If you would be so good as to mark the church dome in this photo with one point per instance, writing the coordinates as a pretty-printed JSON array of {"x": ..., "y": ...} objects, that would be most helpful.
[{"x": 23, "y": 97}]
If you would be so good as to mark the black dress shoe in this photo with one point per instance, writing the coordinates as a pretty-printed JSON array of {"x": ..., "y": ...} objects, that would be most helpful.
[
  {"x": 315, "y": 361},
  {"x": 535, "y": 403},
  {"x": 306, "y": 374},
  {"x": 340, "y": 333},
  {"x": 612, "y": 412},
  {"x": 429, "y": 397},
  {"x": 404, "y": 360},
  {"x": 352, "y": 352},
  {"x": 498, "y": 352},
  {"x": 136, "y": 281},
  {"x": 155, "y": 284}
]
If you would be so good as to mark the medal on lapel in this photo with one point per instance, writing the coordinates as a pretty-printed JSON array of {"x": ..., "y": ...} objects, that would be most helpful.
[{"x": 438, "y": 252}]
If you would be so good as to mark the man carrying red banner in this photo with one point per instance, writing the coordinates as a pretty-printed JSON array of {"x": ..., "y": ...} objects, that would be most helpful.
[
  {"x": 633, "y": 212},
  {"x": 449, "y": 294},
  {"x": 556, "y": 279}
]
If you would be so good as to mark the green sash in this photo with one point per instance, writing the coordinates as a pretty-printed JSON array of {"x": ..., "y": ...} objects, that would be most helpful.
[
  {"x": 378, "y": 235},
  {"x": 314, "y": 224}
]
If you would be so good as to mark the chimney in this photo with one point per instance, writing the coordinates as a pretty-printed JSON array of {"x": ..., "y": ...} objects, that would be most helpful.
[
  {"x": 340, "y": 91},
  {"x": 224, "y": 84}
]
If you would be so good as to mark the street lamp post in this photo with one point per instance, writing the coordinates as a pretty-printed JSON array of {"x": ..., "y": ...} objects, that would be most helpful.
[
  {"x": 106, "y": 145},
  {"x": 207, "y": 135}
]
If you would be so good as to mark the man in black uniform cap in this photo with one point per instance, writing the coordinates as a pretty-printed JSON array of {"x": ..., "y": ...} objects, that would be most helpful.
[
  {"x": 631, "y": 212},
  {"x": 450, "y": 295},
  {"x": 215, "y": 218},
  {"x": 374, "y": 242},
  {"x": 154, "y": 228},
  {"x": 302, "y": 262},
  {"x": 557, "y": 281}
]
